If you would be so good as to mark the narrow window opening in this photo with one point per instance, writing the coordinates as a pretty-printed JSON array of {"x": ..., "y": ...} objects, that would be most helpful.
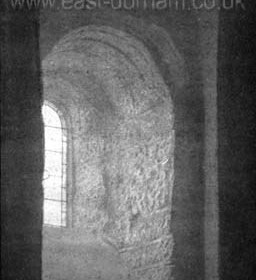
[{"x": 54, "y": 182}]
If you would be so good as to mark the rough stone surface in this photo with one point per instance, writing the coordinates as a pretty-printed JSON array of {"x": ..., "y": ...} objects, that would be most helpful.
[
  {"x": 21, "y": 135},
  {"x": 99, "y": 78},
  {"x": 121, "y": 120}
]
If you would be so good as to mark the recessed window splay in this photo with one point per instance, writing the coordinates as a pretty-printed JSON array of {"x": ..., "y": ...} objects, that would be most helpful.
[{"x": 54, "y": 179}]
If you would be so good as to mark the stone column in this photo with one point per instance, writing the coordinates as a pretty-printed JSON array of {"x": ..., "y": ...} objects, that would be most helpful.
[{"x": 208, "y": 24}]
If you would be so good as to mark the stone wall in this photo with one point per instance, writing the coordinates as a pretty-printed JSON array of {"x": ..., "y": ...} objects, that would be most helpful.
[
  {"x": 21, "y": 145},
  {"x": 21, "y": 196},
  {"x": 121, "y": 126},
  {"x": 185, "y": 214},
  {"x": 101, "y": 79},
  {"x": 236, "y": 149}
]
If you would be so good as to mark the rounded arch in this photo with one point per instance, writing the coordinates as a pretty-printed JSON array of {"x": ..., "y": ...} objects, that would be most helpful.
[
  {"x": 55, "y": 113},
  {"x": 155, "y": 38},
  {"x": 51, "y": 115},
  {"x": 122, "y": 114}
]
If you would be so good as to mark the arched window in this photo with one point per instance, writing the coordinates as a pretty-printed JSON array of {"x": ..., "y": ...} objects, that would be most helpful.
[{"x": 55, "y": 169}]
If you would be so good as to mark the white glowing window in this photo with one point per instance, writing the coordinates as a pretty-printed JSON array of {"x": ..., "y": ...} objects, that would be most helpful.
[{"x": 54, "y": 183}]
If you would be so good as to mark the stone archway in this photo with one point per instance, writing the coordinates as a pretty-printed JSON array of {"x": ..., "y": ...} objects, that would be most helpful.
[{"x": 121, "y": 114}]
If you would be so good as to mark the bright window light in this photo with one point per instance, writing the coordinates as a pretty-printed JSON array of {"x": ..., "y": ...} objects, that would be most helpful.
[{"x": 54, "y": 182}]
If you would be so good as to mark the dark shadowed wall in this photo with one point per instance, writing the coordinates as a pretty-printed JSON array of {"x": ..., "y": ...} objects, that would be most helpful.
[
  {"x": 21, "y": 146},
  {"x": 236, "y": 117}
]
